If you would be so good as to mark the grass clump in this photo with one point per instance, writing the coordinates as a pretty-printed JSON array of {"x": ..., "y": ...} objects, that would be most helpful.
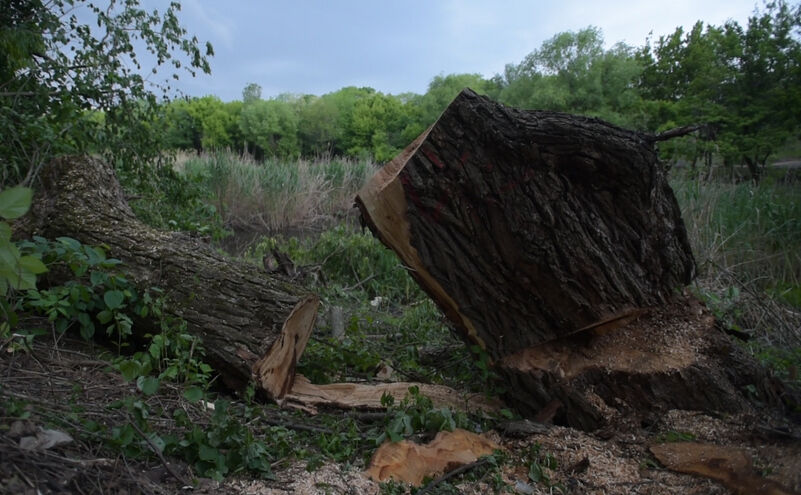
[{"x": 276, "y": 194}]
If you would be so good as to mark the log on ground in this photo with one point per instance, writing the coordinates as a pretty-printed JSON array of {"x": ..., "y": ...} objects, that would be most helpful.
[{"x": 250, "y": 323}]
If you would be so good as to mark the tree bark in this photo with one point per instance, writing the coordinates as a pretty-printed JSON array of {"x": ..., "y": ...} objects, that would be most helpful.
[
  {"x": 251, "y": 323},
  {"x": 529, "y": 226},
  {"x": 537, "y": 233}
]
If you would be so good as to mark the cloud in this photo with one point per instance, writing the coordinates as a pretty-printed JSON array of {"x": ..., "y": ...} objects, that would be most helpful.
[{"x": 220, "y": 27}]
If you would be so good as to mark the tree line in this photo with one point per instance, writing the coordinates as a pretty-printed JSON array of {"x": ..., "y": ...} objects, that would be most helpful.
[{"x": 740, "y": 84}]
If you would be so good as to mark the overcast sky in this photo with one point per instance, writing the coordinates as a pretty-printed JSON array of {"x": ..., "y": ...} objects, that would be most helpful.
[{"x": 316, "y": 47}]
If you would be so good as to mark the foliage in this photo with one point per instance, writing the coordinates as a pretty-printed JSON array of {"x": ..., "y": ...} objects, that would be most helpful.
[
  {"x": 416, "y": 414},
  {"x": 71, "y": 84},
  {"x": 18, "y": 271},
  {"x": 572, "y": 72},
  {"x": 741, "y": 83},
  {"x": 540, "y": 466}
]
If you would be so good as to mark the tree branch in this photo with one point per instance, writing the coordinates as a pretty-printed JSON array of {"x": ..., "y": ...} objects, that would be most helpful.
[{"x": 675, "y": 132}]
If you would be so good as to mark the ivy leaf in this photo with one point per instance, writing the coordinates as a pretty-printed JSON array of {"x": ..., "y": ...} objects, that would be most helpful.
[{"x": 15, "y": 202}]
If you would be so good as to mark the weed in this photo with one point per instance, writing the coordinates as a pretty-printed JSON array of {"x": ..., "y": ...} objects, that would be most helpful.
[
  {"x": 540, "y": 467},
  {"x": 416, "y": 414}
]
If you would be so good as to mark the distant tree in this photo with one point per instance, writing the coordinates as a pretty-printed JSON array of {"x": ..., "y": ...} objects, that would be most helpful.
[
  {"x": 443, "y": 89},
  {"x": 57, "y": 73},
  {"x": 272, "y": 128},
  {"x": 572, "y": 72},
  {"x": 742, "y": 84},
  {"x": 251, "y": 93},
  {"x": 317, "y": 126}
]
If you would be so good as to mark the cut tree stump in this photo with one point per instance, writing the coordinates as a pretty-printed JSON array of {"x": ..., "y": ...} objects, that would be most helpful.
[
  {"x": 251, "y": 323},
  {"x": 541, "y": 236}
]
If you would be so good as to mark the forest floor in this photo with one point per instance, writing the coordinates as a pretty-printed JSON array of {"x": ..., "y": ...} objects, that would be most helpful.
[{"x": 65, "y": 381}]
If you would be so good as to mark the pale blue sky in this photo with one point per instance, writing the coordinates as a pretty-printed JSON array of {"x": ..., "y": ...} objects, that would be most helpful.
[{"x": 308, "y": 46}]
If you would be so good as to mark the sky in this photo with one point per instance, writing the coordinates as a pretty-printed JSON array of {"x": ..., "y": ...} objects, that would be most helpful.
[{"x": 317, "y": 47}]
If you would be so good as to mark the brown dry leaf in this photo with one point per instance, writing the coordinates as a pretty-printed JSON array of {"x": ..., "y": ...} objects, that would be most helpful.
[
  {"x": 729, "y": 465},
  {"x": 411, "y": 463}
]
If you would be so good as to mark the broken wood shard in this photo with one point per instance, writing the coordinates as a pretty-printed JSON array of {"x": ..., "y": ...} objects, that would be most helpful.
[
  {"x": 730, "y": 466},
  {"x": 244, "y": 317},
  {"x": 412, "y": 463},
  {"x": 368, "y": 396}
]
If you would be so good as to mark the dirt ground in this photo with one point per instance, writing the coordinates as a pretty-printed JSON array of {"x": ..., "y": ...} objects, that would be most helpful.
[{"x": 69, "y": 377}]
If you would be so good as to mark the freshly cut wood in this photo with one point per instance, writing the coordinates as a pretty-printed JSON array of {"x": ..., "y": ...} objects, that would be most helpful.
[
  {"x": 411, "y": 463},
  {"x": 307, "y": 395},
  {"x": 671, "y": 357},
  {"x": 555, "y": 243},
  {"x": 731, "y": 466},
  {"x": 248, "y": 320}
]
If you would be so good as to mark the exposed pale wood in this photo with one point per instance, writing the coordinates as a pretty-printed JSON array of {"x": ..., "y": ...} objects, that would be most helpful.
[
  {"x": 368, "y": 396},
  {"x": 731, "y": 466},
  {"x": 411, "y": 463}
]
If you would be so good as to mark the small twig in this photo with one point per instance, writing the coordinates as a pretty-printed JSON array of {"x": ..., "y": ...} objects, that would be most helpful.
[
  {"x": 445, "y": 477},
  {"x": 362, "y": 282},
  {"x": 156, "y": 450}
]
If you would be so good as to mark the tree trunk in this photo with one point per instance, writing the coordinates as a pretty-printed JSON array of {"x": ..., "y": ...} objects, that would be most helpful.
[
  {"x": 534, "y": 231},
  {"x": 251, "y": 323}
]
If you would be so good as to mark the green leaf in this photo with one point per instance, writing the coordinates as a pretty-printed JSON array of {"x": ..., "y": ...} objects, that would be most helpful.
[
  {"x": 129, "y": 369},
  {"x": 70, "y": 243},
  {"x": 147, "y": 384},
  {"x": 104, "y": 316},
  {"x": 98, "y": 278},
  {"x": 32, "y": 264},
  {"x": 193, "y": 394},
  {"x": 15, "y": 202},
  {"x": 207, "y": 453},
  {"x": 113, "y": 299},
  {"x": 5, "y": 232}
]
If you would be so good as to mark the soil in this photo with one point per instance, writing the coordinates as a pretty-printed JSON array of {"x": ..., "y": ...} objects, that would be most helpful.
[{"x": 61, "y": 378}]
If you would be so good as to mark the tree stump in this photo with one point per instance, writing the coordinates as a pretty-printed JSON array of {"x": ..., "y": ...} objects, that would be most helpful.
[
  {"x": 536, "y": 233},
  {"x": 251, "y": 323}
]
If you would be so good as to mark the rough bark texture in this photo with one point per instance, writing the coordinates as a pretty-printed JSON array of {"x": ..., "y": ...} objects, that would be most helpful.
[
  {"x": 248, "y": 321},
  {"x": 555, "y": 243},
  {"x": 528, "y": 226}
]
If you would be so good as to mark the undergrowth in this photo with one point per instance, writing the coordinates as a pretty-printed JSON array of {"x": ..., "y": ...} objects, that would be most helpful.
[
  {"x": 173, "y": 407},
  {"x": 747, "y": 241},
  {"x": 276, "y": 194}
]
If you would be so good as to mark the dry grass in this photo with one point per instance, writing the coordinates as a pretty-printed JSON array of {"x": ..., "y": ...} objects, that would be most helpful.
[
  {"x": 277, "y": 195},
  {"x": 747, "y": 242}
]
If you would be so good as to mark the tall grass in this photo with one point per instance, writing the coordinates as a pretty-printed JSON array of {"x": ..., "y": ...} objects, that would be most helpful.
[
  {"x": 276, "y": 195},
  {"x": 747, "y": 242}
]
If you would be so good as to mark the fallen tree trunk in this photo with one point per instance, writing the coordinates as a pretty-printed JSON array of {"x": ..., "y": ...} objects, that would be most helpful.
[
  {"x": 253, "y": 324},
  {"x": 250, "y": 322},
  {"x": 536, "y": 232}
]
